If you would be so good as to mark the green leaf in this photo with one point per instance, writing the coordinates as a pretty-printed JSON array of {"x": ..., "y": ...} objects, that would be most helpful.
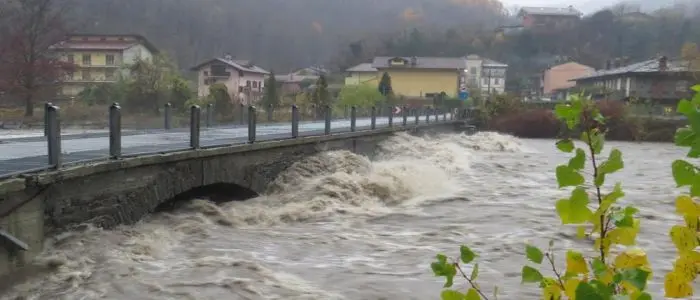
[
  {"x": 683, "y": 172},
  {"x": 530, "y": 275},
  {"x": 466, "y": 254},
  {"x": 444, "y": 269},
  {"x": 684, "y": 137},
  {"x": 644, "y": 296},
  {"x": 612, "y": 197},
  {"x": 475, "y": 272},
  {"x": 472, "y": 294},
  {"x": 578, "y": 161},
  {"x": 585, "y": 290},
  {"x": 534, "y": 254},
  {"x": 686, "y": 108},
  {"x": 598, "y": 267},
  {"x": 451, "y": 295},
  {"x": 637, "y": 277},
  {"x": 613, "y": 164},
  {"x": 595, "y": 139},
  {"x": 575, "y": 209},
  {"x": 566, "y": 176},
  {"x": 566, "y": 145}
]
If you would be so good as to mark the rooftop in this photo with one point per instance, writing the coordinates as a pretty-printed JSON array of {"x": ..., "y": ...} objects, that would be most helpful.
[
  {"x": 241, "y": 65},
  {"x": 106, "y": 42},
  {"x": 363, "y": 67},
  {"x": 550, "y": 11},
  {"x": 421, "y": 62},
  {"x": 649, "y": 66}
]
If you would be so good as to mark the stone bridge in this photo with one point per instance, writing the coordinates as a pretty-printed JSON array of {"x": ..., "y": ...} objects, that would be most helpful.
[{"x": 112, "y": 192}]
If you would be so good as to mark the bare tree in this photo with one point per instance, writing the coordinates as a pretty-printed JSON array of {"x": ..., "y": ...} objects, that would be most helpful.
[{"x": 28, "y": 65}]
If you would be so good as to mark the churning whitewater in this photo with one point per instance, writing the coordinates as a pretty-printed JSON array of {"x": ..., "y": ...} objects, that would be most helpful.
[{"x": 342, "y": 226}]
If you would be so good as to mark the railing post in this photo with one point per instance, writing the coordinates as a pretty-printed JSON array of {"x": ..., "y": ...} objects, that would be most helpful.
[
  {"x": 46, "y": 118},
  {"x": 295, "y": 121},
  {"x": 444, "y": 115},
  {"x": 115, "y": 131},
  {"x": 353, "y": 118},
  {"x": 269, "y": 112},
  {"x": 416, "y": 114},
  {"x": 314, "y": 112},
  {"x": 195, "y": 116},
  {"x": 210, "y": 114},
  {"x": 328, "y": 115},
  {"x": 391, "y": 116},
  {"x": 252, "y": 116},
  {"x": 404, "y": 110},
  {"x": 436, "y": 112},
  {"x": 168, "y": 111},
  {"x": 427, "y": 115},
  {"x": 373, "y": 116},
  {"x": 54, "y": 136},
  {"x": 241, "y": 113}
]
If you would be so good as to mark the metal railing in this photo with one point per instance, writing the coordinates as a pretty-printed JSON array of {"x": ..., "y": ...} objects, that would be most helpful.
[{"x": 52, "y": 129}]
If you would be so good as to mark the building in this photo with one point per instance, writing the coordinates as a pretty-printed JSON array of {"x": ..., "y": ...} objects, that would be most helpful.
[
  {"x": 245, "y": 81},
  {"x": 298, "y": 80},
  {"x": 422, "y": 76},
  {"x": 556, "y": 80},
  {"x": 98, "y": 58},
  {"x": 360, "y": 74},
  {"x": 548, "y": 17},
  {"x": 486, "y": 75},
  {"x": 663, "y": 81}
]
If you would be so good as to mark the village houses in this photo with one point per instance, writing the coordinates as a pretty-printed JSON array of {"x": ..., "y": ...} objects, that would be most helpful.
[{"x": 244, "y": 80}]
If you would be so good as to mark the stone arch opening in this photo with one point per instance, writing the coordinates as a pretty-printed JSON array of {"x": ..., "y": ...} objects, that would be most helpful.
[{"x": 217, "y": 192}]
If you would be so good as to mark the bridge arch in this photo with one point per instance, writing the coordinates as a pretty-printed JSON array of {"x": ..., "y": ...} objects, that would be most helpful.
[{"x": 217, "y": 192}]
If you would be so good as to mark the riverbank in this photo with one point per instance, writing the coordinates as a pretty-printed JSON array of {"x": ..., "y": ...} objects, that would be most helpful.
[{"x": 542, "y": 123}]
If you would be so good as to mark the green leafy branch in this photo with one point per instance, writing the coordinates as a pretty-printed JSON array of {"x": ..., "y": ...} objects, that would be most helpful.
[{"x": 441, "y": 267}]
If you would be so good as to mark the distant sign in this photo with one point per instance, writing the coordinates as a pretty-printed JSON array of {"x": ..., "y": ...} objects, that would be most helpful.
[
  {"x": 463, "y": 95},
  {"x": 397, "y": 110}
]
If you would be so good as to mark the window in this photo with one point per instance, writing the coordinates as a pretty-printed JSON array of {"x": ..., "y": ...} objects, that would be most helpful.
[
  {"x": 485, "y": 81},
  {"x": 247, "y": 83},
  {"x": 497, "y": 81},
  {"x": 87, "y": 59},
  {"x": 109, "y": 59},
  {"x": 70, "y": 58},
  {"x": 109, "y": 74},
  {"x": 255, "y": 84},
  {"x": 472, "y": 70},
  {"x": 85, "y": 74},
  {"x": 69, "y": 75}
]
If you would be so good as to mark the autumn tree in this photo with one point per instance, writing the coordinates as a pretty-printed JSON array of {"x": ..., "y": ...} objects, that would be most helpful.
[
  {"x": 321, "y": 97},
  {"x": 28, "y": 65},
  {"x": 385, "y": 85}
]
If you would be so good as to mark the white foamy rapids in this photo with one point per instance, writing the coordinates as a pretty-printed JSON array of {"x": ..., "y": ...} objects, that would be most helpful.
[{"x": 188, "y": 254}]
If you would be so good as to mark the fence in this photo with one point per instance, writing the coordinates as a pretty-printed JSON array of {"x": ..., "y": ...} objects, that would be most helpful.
[{"x": 201, "y": 122}]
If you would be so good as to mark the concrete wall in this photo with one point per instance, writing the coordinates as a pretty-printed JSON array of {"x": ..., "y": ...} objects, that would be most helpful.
[{"x": 110, "y": 193}]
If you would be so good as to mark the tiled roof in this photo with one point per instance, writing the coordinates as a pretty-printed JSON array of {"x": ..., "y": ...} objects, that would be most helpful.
[
  {"x": 291, "y": 78},
  {"x": 649, "y": 66},
  {"x": 422, "y": 62},
  {"x": 241, "y": 65},
  {"x": 492, "y": 63},
  {"x": 95, "y": 45},
  {"x": 551, "y": 11},
  {"x": 363, "y": 67}
]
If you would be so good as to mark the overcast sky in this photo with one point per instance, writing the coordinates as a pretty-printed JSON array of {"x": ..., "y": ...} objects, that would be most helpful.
[{"x": 586, "y": 6}]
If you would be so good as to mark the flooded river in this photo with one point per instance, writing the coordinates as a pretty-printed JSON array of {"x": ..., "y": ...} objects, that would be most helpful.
[{"x": 347, "y": 227}]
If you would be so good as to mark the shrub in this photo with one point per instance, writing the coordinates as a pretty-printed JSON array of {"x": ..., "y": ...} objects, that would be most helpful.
[{"x": 533, "y": 123}]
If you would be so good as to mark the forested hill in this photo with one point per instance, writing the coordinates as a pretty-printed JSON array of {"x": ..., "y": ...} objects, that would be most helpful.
[{"x": 277, "y": 34}]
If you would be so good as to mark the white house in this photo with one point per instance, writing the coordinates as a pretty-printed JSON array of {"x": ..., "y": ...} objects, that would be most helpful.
[
  {"x": 244, "y": 80},
  {"x": 486, "y": 74}
]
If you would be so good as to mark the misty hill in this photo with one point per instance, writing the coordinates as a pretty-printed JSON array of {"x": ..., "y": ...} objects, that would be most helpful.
[{"x": 274, "y": 33}]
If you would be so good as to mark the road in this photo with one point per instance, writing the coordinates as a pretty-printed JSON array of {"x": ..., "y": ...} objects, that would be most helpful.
[{"x": 30, "y": 153}]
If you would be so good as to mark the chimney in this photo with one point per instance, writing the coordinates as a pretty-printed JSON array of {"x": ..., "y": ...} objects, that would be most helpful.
[
  {"x": 228, "y": 56},
  {"x": 414, "y": 61},
  {"x": 663, "y": 63},
  {"x": 608, "y": 64},
  {"x": 618, "y": 63}
]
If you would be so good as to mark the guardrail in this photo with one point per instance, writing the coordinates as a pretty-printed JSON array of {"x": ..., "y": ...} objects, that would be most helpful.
[{"x": 52, "y": 130}]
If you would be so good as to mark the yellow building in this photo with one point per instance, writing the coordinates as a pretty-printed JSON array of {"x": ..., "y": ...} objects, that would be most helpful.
[
  {"x": 360, "y": 74},
  {"x": 100, "y": 58},
  {"x": 422, "y": 76}
]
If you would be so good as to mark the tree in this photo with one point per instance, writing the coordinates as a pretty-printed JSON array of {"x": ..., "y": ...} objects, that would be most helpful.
[
  {"x": 28, "y": 65},
  {"x": 385, "y": 85},
  {"x": 321, "y": 97},
  {"x": 271, "y": 97},
  {"x": 691, "y": 53},
  {"x": 361, "y": 96},
  {"x": 151, "y": 82},
  {"x": 219, "y": 95}
]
